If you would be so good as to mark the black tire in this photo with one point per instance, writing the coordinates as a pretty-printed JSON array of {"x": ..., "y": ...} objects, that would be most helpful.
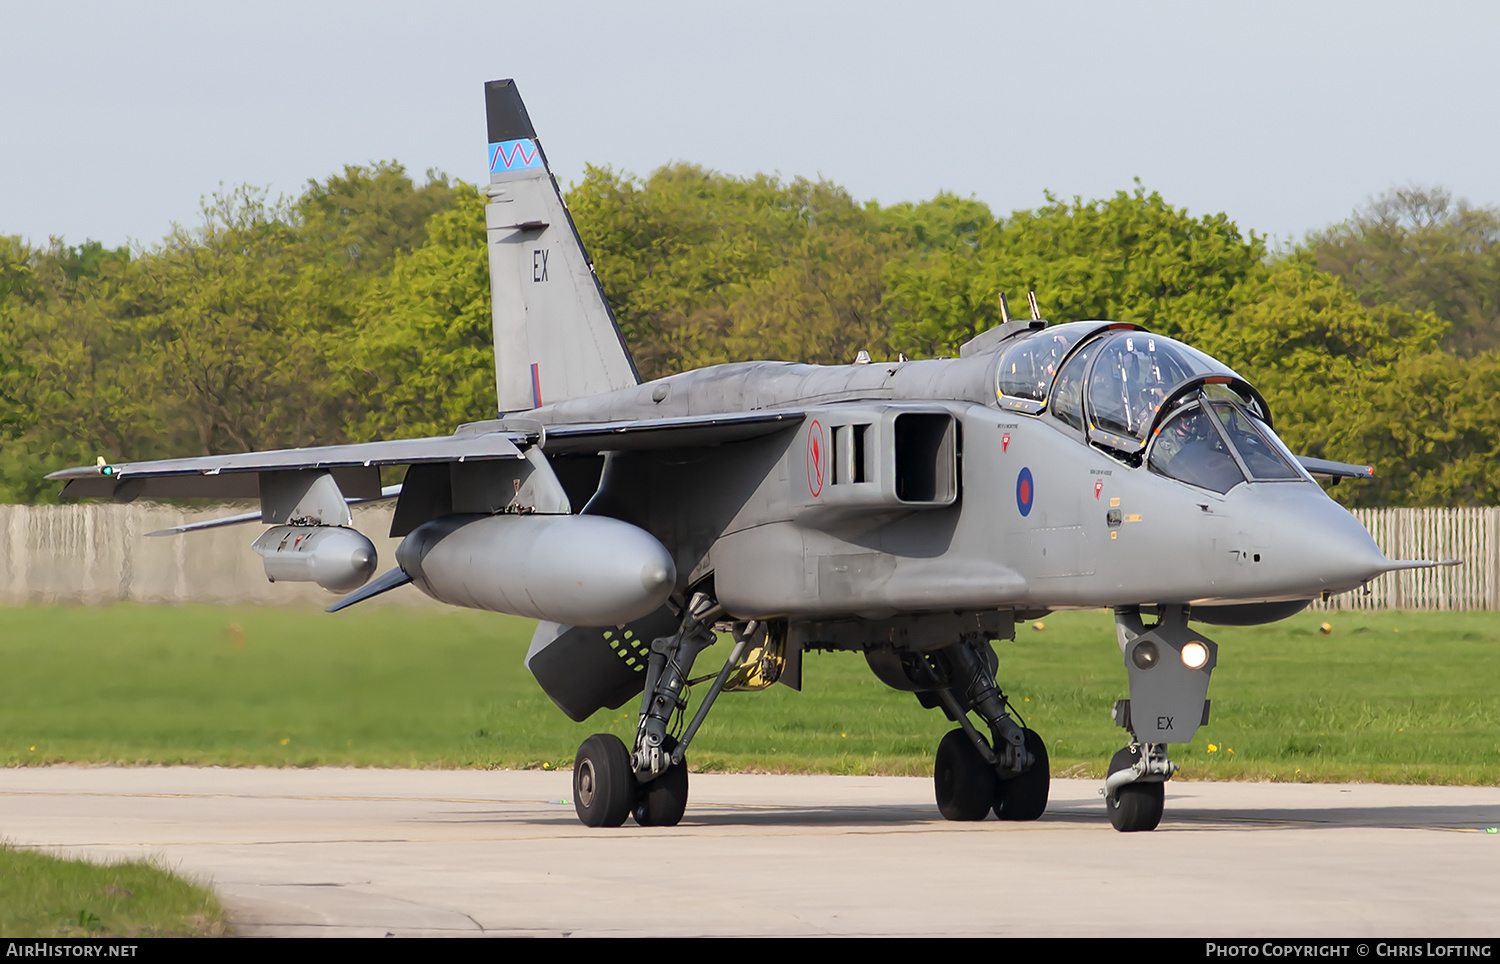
[
  {"x": 604, "y": 785},
  {"x": 1025, "y": 797},
  {"x": 662, "y": 802},
  {"x": 1134, "y": 807},
  {"x": 965, "y": 784}
]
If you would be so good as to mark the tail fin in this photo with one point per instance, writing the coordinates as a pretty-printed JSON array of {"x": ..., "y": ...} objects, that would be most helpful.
[{"x": 555, "y": 337}]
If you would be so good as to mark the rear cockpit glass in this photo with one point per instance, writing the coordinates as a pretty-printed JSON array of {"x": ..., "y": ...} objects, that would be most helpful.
[
  {"x": 1028, "y": 367},
  {"x": 1133, "y": 376},
  {"x": 1067, "y": 398},
  {"x": 1190, "y": 449}
]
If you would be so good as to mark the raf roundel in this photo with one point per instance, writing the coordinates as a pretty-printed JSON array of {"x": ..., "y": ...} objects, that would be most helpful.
[{"x": 1025, "y": 490}]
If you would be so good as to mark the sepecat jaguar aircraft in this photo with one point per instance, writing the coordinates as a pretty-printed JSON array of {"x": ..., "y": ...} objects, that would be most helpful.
[{"x": 912, "y": 511}]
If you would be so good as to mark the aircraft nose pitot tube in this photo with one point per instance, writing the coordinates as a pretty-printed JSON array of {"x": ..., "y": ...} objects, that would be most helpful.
[
  {"x": 336, "y": 558},
  {"x": 575, "y": 570}
]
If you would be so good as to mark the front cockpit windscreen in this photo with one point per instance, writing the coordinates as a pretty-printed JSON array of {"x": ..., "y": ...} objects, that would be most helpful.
[
  {"x": 1190, "y": 448},
  {"x": 1251, "y": 439},
  {"x": 1134, "y": 374},
  {"x": 1216, "y": 444}
]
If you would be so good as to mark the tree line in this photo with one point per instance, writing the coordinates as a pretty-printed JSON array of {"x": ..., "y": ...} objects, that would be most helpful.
[{"x": 360, "y": 310}]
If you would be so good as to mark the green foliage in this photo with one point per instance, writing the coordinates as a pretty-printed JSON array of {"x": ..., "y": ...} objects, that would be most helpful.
[
  {"x": 15, "y": 268},
  {"x": 367, "y": 216},
  {"x": 69, "y": 362},
  {"x": 946, "y": 223},
  {"x": 1434, "y": 427},
  {"x": 232, "y": 336},
  {"x": 232, "y": 319},
  {"x": 1422, "y": 249},
  {"x": 702, "y": 268},
  {"x": 423, "y": 360},
  {"x": 1132, "y": 257}
]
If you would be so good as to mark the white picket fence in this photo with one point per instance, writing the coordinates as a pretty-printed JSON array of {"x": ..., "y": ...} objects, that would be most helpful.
[
  {"x": 1469, "y": 535},
  {"x": 99, "y": 553}
]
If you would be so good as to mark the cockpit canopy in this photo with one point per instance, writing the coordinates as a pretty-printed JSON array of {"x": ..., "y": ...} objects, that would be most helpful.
[{"x": 1126, "y": 389}]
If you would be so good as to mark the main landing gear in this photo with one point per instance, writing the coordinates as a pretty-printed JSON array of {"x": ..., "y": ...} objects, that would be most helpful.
[
  {"x": 650, "y": 782},
  {"x": 1169, "y": 666},
  {"x": 973, "y": 775}
]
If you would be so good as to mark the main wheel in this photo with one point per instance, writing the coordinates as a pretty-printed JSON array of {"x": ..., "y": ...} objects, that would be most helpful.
[
  {"x": 1025, "y": 797},
  {"x": 662, "y": 802},
  {"x": 965, "y": 784},
  {"x": 604, "y": 784},
  {"x": 1135, "y": 806}
]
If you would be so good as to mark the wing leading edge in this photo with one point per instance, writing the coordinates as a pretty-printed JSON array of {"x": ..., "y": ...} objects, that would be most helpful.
[{"x": 356, "y": 467}]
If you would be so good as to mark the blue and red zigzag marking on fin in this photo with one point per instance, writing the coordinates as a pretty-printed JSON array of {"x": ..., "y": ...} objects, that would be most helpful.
[{"x": 514, "y": 155}]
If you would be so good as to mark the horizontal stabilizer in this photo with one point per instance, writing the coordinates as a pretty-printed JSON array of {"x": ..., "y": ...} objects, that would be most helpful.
[{"x": 382, "y": 583}]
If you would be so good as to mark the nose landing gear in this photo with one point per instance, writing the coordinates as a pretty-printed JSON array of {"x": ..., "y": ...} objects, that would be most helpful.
[
  {"x": 1169, "y": 666},
  {"x": 1134, "y": 800}
]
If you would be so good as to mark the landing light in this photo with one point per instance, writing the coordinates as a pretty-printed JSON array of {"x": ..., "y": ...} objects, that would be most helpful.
[{"x": 1194, "y": 655}]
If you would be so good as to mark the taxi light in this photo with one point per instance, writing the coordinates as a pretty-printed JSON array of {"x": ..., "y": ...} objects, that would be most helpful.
[
  {"x": 1144, "y": 655},
  {"x": 1194, "y": 655}
]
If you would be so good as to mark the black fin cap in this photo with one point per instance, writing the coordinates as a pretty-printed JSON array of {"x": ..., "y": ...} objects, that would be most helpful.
[{"x": 505, "y": 113}]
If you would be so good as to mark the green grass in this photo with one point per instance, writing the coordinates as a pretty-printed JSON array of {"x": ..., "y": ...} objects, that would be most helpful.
[
  {"x": 1391, "y": 697},
  {"x": 44, "y": 896}
]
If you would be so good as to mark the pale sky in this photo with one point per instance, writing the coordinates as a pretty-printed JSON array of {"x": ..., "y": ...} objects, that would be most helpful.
[{"x": 119, "y": 117}]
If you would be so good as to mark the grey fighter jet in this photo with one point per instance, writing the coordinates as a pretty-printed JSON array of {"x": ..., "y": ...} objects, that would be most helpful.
[{"x": 912, "y": 511}]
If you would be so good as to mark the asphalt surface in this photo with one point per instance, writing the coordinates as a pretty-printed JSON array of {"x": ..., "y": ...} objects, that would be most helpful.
[{"x": 470, "y": 853}]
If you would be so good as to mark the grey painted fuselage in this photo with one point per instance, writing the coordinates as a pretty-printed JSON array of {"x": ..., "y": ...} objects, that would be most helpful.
[{"x": 780, "y": 542}]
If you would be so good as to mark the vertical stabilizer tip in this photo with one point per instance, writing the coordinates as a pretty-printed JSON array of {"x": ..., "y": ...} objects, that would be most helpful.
[{"x": 506, "y": 115}]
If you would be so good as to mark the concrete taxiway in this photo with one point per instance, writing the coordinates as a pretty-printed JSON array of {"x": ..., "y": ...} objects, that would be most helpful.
[{"x": 469, "y": 853}]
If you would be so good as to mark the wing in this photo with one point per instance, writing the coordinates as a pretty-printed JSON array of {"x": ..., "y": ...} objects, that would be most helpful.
[{"x": 355, "y": 467}]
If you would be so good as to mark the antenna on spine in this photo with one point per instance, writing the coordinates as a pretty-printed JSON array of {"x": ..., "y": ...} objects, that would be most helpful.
[
  {"x": 1004, "y": 309},
  {"x": 1036, "y": 314}
]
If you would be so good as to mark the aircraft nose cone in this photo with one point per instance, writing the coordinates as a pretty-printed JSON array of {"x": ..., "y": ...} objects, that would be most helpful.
[{"x": 1314, "y": 543}]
